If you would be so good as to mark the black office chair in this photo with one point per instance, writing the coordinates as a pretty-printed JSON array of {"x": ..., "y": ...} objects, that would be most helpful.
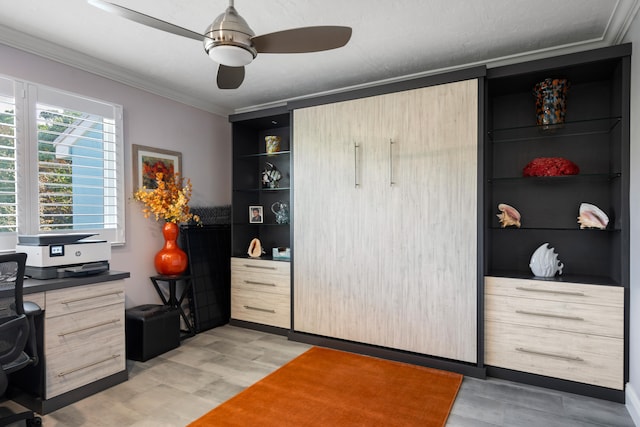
[{"x": 17, "y": 333}]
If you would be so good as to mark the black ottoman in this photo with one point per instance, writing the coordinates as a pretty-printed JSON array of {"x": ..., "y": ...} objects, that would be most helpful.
[{"x": 151, "y": 330}]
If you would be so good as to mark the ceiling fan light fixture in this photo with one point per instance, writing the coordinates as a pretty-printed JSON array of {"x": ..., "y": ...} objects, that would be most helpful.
[
  {"x": 228, "y": 39},
  {"x": 231, "y": 56}
]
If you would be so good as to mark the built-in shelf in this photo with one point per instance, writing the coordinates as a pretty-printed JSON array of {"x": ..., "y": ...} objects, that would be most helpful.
[
  {"x": 576, "y": 128},
  {"x": 278, "y": 153},
  {"x": 556, "y": 179}
]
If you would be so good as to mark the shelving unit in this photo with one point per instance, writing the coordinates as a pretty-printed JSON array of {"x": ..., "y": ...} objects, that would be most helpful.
[
  {"x": 554, "y": 341},
  {"x": 249, "y": 160},
  {"x": 594, "y": 136},
  {"x": 260, "y": 287}
]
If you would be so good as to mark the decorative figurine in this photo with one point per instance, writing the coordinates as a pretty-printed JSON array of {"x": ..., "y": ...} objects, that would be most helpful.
[{"x": 544, "y": 262}]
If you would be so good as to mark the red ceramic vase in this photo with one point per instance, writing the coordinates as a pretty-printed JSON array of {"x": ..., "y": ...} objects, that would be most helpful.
[{"x": 171, "y": 260}]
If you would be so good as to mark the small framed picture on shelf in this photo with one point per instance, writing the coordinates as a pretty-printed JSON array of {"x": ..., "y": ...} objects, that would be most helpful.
[{"x": 255, "y": 214}]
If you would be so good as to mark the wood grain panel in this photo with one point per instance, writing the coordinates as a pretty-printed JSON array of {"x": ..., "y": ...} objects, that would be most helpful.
[
  {"x": 558, "y": 315},
  {"x": 82, "y": 298},
  {"x": 589, "y": 359},
  {"x": 263, "y": 276},
  {"x": 261, "y": 307},
  {"x": 556, "y": 291},
  {"x": 83, "y": 348},
  {"x": 390, "y": 265}
]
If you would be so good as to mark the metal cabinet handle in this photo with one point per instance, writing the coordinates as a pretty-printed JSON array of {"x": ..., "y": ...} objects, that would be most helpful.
[
  {"x": 248, "y": 307},
  {"x": 391, "y": 181},
  {"x": 575, "y": 294},
  {"x": 558, "y": 356},
  {"x": 356, "y": 146},
  {"x": 97, "y": 325},
  {"x": 251, "y": 282},
  {"x": 259, "y": 266},
  {"x": 555, "y": 316},
  {"x": 89, "y": 365},
  {"x": 71, "y": 301}
]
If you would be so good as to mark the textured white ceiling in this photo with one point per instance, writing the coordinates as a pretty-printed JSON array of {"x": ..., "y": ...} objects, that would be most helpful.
[{"x": 391, "y": 40}]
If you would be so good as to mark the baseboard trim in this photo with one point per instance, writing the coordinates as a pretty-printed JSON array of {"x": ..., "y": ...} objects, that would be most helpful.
[
  {"x": 463, "y": 368},
  {"x": 633, "y": 404}
]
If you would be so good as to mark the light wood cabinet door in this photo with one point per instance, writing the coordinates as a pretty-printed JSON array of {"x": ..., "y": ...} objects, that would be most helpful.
[{"x": 385, "y": 202}]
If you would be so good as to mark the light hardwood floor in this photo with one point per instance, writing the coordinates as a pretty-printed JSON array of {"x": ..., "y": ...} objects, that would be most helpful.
[{"x": 183, "y": 384}]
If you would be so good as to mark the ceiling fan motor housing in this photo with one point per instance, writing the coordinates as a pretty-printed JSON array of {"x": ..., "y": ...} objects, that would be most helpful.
[{"x": 231, "y": 30}]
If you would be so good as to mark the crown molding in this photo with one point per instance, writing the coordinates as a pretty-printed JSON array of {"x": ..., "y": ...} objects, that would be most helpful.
[{"x": 70, "y": 57}]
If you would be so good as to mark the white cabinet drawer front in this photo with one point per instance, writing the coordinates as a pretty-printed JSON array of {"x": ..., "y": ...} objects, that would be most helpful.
[
  {"x": 260, "y": 265},
  {"x": 261, "y": 307},
  {"x": 565, "y": 316},
  {"x": 82, "y": 298},
  {"x": 576, "y": 357},
  {"x": 261, "y": 281},
  {"x": 556, "y": 291}
]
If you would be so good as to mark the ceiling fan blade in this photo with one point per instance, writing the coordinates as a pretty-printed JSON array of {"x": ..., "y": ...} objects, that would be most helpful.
[
  {"x": 143, "y": 19},
  {"x": 230, "y": 77},
  {"x": 301, "y": 40}
]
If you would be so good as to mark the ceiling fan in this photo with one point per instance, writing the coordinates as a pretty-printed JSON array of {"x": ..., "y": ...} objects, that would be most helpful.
[{"x": 231, "y": 43}]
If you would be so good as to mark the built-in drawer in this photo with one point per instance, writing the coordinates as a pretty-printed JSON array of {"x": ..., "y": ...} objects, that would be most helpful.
[
  {"x": 571, "y": 331},
  {"x": 273, "y": 277},
  {"x": 556, "y": 291},
  {"x": 261, "y": 307},
  {"x": 82, "y": 298},
  {"x": 83, "y": 347},
  {"x": 605, "y": 320},
  {"x": 585, "y": 358}
]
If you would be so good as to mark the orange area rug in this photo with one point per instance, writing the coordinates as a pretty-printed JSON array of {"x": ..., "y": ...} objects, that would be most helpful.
[{"x": 325, "y": 387}]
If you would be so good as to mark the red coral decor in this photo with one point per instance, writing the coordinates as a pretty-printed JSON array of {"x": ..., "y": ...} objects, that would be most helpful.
[{"x": 550, "y": 166}]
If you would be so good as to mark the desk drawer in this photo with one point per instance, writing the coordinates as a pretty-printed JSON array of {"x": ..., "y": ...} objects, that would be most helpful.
[
  {"x": 82, "y": 298},
  {"x": 82, "y": 348},
  {"x": 571, "y": 356}
]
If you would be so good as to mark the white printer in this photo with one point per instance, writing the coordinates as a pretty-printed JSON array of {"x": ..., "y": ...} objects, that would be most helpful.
[{"x": 51, "y": 256}]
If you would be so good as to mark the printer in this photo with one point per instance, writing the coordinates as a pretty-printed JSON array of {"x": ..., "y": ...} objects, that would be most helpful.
[{"x": 51, "y": 256}]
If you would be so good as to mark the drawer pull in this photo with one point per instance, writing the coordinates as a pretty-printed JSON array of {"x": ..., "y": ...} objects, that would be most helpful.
[
  {"x": 558, "y": 356},
  {"x": 263, "y": 267},
  {"x": 90, "y": 365},
  {"x": 575, "y": 294},
  {"x": 71, "y": 301},
  {"x": 251, "y": 282},
  {"x": 555, "y": 316},
  {"x": 248, "y": 307},
  {"x": 97, "y": 325}
]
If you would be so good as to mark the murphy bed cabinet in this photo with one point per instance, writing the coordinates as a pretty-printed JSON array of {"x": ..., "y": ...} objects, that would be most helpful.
[
  {"x": 569, "y": 331},
  {"x": 260, "y": 288},
  {"x": 385, "y": 228}
]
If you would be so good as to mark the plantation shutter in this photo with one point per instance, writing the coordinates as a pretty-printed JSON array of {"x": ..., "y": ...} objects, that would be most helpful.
[
  {"x": 78, "y": 164},
  {"x": 8, "y": 162}
]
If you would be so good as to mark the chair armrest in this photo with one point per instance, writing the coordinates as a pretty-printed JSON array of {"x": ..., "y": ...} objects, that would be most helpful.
[{"x": 31, "y": 308}]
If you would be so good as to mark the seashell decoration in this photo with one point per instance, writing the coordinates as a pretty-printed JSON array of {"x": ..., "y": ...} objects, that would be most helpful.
[
  {"x": 544, "y": 262},
  {"x": 255, "y": 249},
  {"x": 592, "y": 216},
  {"x": 508, "y": 215}
]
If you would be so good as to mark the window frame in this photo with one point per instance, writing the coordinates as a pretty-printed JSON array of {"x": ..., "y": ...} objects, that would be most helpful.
[{"x": 27, "y": 96}]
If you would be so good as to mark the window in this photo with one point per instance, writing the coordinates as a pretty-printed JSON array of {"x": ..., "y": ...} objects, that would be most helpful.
[{"x": 61, "y": 164}]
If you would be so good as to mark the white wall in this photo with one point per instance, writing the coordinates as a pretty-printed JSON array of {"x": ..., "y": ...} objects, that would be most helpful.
[
  {"x": 633, "y": 387},
  {"x": 203, "y": 138}
]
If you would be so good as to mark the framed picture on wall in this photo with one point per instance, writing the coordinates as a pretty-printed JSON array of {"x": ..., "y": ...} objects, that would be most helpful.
[
  {"x": 255, "y": 214},
  {"x": 147, "y": 161}
]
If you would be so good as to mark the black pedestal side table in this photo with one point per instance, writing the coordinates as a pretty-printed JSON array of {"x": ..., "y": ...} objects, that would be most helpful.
[{"x": 175, "y": 301}]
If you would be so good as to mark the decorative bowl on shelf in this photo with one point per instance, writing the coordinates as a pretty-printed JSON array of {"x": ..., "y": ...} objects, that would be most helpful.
[{"x": 550, "y": 166}]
